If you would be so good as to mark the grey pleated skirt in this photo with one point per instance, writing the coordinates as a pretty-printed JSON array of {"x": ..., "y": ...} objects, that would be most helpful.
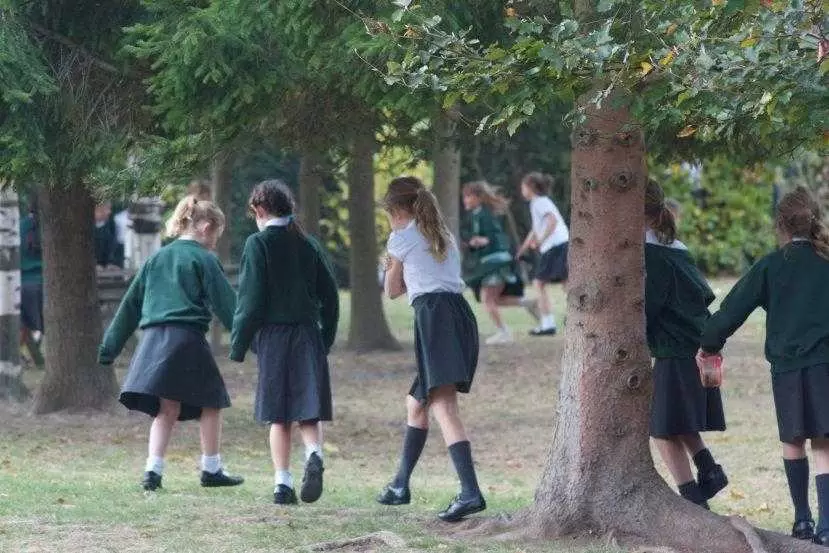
[
  {"x": 446, "y": 343},
  {"x": 294, "y": 382}
]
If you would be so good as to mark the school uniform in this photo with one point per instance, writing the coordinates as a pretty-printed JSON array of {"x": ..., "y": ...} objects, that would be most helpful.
[
  {"x": 106, "y": 243},
  {"x": 446, "y": 332},
  {"x": 790, "y": 284},
  {"x": 492, "y": 264},
  {"x": 676, "y": 308},
  {"x": 551, "y": 264},
  {"x": 171, "y": 299},
  {"x": 287, "y": 313},
  {"x": 31, "y": 274}
]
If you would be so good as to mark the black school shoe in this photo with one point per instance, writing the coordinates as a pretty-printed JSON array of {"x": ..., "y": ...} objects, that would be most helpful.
[
  {"x": 460, "y": 508},
  {"x": 219, "y": 479},
  {"x": 394, "y": 496},
  {"x": 803, "y": 530},
  {"x": 543, "y": 332},
  {"x": 284, "y": 495},
  {"x": 151, "y": 481},
  {"x": 822, "y": 538},
  {"x": 311, "y": 489},
  {"x": 712, "y": 482}
]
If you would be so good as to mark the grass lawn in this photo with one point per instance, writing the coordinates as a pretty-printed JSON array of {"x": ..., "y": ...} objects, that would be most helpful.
[{"x": 69, "y": 483}]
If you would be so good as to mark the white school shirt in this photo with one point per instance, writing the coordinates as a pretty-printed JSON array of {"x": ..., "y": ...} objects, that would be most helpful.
[
  {"x": 650, "y": 238},
  {"x": 422, "y": 273},
  {"x": 540, "y": 207}
]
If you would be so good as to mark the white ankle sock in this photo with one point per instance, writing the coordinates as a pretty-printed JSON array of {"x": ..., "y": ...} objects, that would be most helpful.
[
  {"x": 548, "y": 321},
  {"x": 155, "y": 464},
  {"x": 314, "y": 448},
  {"x": 283, "y": 477},
  {"x": 211, "y": 463}
]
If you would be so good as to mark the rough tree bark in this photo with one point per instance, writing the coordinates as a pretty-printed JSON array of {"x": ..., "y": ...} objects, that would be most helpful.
[
  {"x": 311, "y": 171},
  {"x": 369, "y": 329},
  {"x": 221, "y": 173},
  {"x": 446, "y": 157},
  {"x": 11, "y": 372},
  {"x": 73, "y": 378}
]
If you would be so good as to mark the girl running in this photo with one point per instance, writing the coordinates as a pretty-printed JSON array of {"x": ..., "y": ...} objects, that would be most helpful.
[
  {"x": 425, "y": 263},
  {"x": 286, "y": 289},
  {"x": 790, "y": 284},
  {"x": 549, "y": 235},
  {"x": 676, "y": 307},
  {"x": 173, "y": 375},
  {"x": 492, "y": 273}
]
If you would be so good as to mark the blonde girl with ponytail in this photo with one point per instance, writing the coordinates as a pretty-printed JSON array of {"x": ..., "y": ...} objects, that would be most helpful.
[
  {"x": 424, "y": 262},
  {"x": 790, "y": 284},
  {"x": 173, "y": 375}
]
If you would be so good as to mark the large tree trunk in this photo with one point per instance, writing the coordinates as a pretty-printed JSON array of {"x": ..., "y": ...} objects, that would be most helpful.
[
  {"x": 73, "y": 378},
  {"x": 221, "y": 174},
  {"x": 599, "y": 477},
  {"x": 446, "y": 157},
  {"x": 368, "y": 328},
  {"x": 11, "y": 382},
  {"x": 311, "y": 172}
]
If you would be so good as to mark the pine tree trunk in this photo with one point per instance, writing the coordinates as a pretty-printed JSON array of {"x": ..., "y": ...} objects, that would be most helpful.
[
  {"x": 73, "y": 378},
  {"x": 11, "y": 382},
  {"x": 311, "y": 171},
  {"x": 446, "y": 157},
  {"x": 221, "y": 174},
  {"x": 368, "y": 329}
]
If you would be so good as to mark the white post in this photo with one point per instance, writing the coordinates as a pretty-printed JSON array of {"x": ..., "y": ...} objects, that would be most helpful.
[
  {"x": 144, "y": 234},
  {"x": 10, "y": 367}
]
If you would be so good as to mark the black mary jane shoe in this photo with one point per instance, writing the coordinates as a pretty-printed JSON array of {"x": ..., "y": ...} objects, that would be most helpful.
[
  {"x": 151, "y": 481},
  {"x": 543, "y": 332},
  {"x": 284, "y": 495},
  {"x": 219, "y": 479},
  {"x": 712, "y": 482},
  {"x": 804, "y": 530},
  {"x": 460, "y": 508},
  {"x": 394, "y": 496},
  {"x": 822, "y": 538}
]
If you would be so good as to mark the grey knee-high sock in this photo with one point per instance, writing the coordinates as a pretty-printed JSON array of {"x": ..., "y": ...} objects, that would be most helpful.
[
  {"x": 461, "y": 454},
  {"x": 413, "y": 444}
]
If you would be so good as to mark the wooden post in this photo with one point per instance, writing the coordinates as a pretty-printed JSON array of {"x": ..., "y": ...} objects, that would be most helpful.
[{"x": 11, "y": 383}]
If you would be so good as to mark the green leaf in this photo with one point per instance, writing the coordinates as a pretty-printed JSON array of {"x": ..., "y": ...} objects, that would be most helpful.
[
  {"x": 514, "y": 124},
  {"x": 528, "y": 107}
]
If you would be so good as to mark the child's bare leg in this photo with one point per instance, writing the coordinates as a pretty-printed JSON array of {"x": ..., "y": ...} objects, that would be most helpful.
[
  {"x": 489, "y": 297},
  {"x": 210, "y": 430},
  {"x": 672, "y": 451},
  {"x": 160, "y": 432}
]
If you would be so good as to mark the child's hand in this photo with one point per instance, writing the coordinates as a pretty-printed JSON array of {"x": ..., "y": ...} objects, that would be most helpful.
[
  {"x": 478, "y": 241},
  {"x": 385, "y": 262},
  {"x": 710, "y": 368},
  {"x": 533, "y": 244}
]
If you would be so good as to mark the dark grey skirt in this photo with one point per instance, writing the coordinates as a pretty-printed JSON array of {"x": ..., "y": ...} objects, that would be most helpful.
[
  {"x": 174, "y": 362},
  {"x": 294, "y": 381},
  {"x": 680, "y": 404},
  {"x": 800, "y": 400},
  {"x": 31, "y": 305},
  {"x": 446, "y": 343},
  {"x": 552, "y": 265}
]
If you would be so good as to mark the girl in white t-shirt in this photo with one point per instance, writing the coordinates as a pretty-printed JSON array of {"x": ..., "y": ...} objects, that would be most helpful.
[
  {"x": 423, "y": 261},
  {"x": 548, "y": 235}
]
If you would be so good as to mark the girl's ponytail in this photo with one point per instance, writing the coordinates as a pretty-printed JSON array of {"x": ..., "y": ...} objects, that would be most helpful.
[
  {"x": 431, "y": 223},
  {"x": 660, "y": 218},
  {"x": 182, "y": 216},
  {"x": 798, "y": 216}
]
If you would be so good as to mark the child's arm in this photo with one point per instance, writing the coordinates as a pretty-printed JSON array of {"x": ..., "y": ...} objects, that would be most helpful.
[
  {"x": 125, "y": 322},
  {"x": 220, "y": 293},
  {"x": 395, "y": 286},
  {"x": 746, "y": 296},
  {"x": 550, "y": 224},
  {"x": 329, "y": 297},
  {"x": 250, "y": 302}
]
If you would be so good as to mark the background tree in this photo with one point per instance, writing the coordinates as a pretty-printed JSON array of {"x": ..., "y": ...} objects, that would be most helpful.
[{"x": 11, "y": 371}]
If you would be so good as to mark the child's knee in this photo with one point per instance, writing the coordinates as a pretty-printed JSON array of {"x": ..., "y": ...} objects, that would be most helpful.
[
  {"x": 169, "y": 408},
  {"x": 417, "y": 412}
]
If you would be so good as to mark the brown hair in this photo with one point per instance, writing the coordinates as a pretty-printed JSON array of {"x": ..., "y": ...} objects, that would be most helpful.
[
  {"x": 798, "y": 215},
  {"x": 409, "y": 194},
  {"x": 488, "y": 195},
  {"x": 539, "y": 183},
  {"x": 659, "y": 217},
  {"x": 276, "y": 198},
  {"x": 191, "y": 211}
]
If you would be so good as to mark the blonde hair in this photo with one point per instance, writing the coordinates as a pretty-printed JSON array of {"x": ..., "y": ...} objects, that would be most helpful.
[
  {"x": 408, "y": 194},
  {"x": 488, "y": 195},
  {"x": 798, "y": 215},
  {"x": 191, "y": 211}
]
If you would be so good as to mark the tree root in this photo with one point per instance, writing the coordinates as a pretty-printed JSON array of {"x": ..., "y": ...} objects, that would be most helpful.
[{"x": 750, "y": 534}]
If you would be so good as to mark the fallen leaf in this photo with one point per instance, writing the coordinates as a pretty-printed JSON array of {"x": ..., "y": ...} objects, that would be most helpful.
[
  {"x": 735, "y": 494},
  {"x": 646, "y": 68},
  {"x": 667, "y": 59}
]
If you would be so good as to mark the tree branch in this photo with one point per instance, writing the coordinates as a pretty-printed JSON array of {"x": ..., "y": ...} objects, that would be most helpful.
[{"x": 94, "y": 58}]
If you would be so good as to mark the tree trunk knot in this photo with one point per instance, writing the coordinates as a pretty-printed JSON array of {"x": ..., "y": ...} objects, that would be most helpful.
[
  {"x": 622, "y": 181},
  {"x": 634, "y": 381},
  {"x": 625, "y": 244},
  {"x": 590, "y": 184},
  {"x": 625, "y": 139},
  {"x": 587, "y": 298},
  {"x": 586, "y": 215},
  {"x": 585, "y": 137},
  {"x": 577, "y": 242},
  {"x": 618, "y": 281},
  {"x": 639, "y": 304},
  {"x": 621, "y": 356}
]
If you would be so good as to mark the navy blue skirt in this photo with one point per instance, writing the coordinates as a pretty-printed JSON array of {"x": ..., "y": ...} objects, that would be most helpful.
[
  {"x": 174, "y": 362},
  {"x": 551, "y": 266},
  {"x": 294, "y": 382},
  {"x": 31, "y": 305},
  {"x": 446, "y": 343},
  {"x": 680, "y": 403},
  {"x": 800, "y": 400}
]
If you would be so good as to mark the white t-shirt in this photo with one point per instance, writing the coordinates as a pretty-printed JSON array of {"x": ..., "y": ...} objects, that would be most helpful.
[
  {"x": 540, "y": 207},
  {"x": 422, "y": 273}
]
